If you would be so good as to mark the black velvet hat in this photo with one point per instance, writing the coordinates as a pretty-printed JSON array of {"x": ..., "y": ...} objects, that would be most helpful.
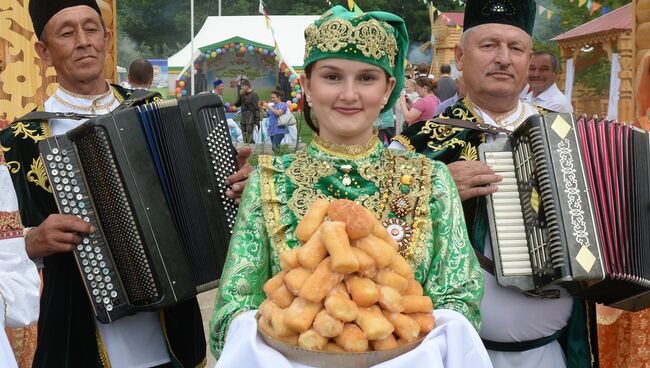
[
  {"x": 518, "y": 13},
  {"x": 42, "y": 11}
]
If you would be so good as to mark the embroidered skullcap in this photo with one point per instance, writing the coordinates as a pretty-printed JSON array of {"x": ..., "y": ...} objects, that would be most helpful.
[
  {"x": 518, "y": 13},
  {"x": 42, "y": 11},
  {"x": 217, "y": 83},
  {"x": 378, "y": 38}
]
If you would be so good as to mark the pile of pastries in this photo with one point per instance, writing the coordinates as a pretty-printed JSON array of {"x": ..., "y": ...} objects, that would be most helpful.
[{"x": 346, "y": 289}]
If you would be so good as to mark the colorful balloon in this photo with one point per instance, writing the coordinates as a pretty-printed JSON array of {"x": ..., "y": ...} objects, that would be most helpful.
[
  {"x": 294, "y": 106},
  {"x": 181, "y": 83}
]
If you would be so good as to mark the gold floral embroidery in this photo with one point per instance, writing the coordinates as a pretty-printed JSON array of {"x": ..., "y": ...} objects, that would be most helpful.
[
  {"x": 469, "y": 153},
  {"x": 371, "y": 40},
  {"x": 439, "y": 132},
  {"x": 12, "y": 166},
  {"x": 304, "y": 172},
  {"x": 271, "y": 204},
  {"x": 370, "y": 37},
  {"x": 21, "y": 128},
  {"x": 10, "y": 225},
  {"x": 38, "y": 175},
  {"x": 334, "y": 34},
  {"x": 452, "y": 143}
]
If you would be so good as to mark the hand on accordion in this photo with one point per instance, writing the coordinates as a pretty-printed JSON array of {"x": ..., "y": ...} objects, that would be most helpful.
[
  {"x": 57, "y": 234},
  {"x": 473, "y": 178},
  {"x": 238, "y": 180}
]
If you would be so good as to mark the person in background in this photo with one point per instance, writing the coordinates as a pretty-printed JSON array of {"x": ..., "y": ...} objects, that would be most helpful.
[
  {"x": 410, "y": 90},
  {"x": 423, "y": 108},
  {"x": 542, "y": 74},
  {"x": 461, "y": 92},
  {"x": 385, "y": 125},
  {"x": 423, "y": 70},
  {"x": 140, "y": 74},
  {"x": 446, "y": 87},
  {"x": 249, "y": 102},
  {"x": 238, "y": 81},
  {"x": 276, "y": 110},
  {"x": 218, "y": 87}
]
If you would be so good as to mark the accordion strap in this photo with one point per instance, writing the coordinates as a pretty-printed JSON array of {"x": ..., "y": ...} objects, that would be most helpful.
[
  {"x": 486, "y": 263},
  {"x": 474, "y": 125}
]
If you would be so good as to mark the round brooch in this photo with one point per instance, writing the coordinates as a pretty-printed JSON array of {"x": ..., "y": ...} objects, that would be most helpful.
[
  {"x": 401, "y": 205},
  {"x": 400, "y": 231}
]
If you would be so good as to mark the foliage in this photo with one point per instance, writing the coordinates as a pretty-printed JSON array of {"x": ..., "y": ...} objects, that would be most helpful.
[{"x": 159, "y": 28}]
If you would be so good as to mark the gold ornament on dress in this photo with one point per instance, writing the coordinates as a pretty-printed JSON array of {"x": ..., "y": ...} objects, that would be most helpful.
[
  {"x": 22, "y": 128},
  {"x": 38, "y": 175},
  {"x": 354, "y": 152},
  {"x": 94, "y": 108}
]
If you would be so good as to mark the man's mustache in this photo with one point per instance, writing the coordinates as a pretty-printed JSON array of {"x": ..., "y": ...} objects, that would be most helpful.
[
  {"x": 500, "y": 71},
  {"x": 537, "y": 79}
]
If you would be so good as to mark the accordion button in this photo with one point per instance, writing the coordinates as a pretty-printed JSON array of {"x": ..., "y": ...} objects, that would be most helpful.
[
  {"x": 84, "y": 262},
  {"x": 52, "y": 165},
  {"x": 60, "y": 166},
  {"x": 102, "y": 263},
  {"x": 97, "y": 250},
  {"x": 68, "y": 167},
  {"x": 98, "y": 299},
  {"x": 91, "y": 255},
  {"x": 78, "y": 196},
  {"x": 101, "y": 285},
  {"x": 75, "y": 211},
  {"x": 81, "y": 205},
  {"x": 73, "y": 181},
  {"x": 107, "y": 278},
  {"x": 83, "y": 212},
  {"x": 66, "y": 160},
  {"x": 69, "y": 195},
  {"x": 64, "y": 152},
  {"x": 113, "y": 294},
  {"x": 57, "y": 158},
  {"x": 106, "y": 271},
  {"x": 55, "y": 151},
  {"x": 93, "y": 284},
  {"x": 80, "y": 247},
  {"x": 64, "y": 202},
  {"x": 89, "y": 248},
  {"x": 109, "y": 307},
  {"x": 56, "y": 180},
  {"x": 86, "y": 241},
  {"x": 75, "y": 189},
  {"x": 71, "y": 174},
  {"x": 49, "y": 157},
  {"x": 66, "y": 210},
  {"x": 87, "y": 269},
  {"x": 109, "y": 286},
  {"x": 90, "y": 276},
  {"x": 82, "y": 254},
  {"x": 65, "y": 181},
  {"x": 100, "y": 256},
  {"x": 107, "y": 300},
  {"x": 59, "y": 187},
  {"x": 98, "y": 278},
  {"x": 93, "y": 263},
  {"x": 104, "y": 292},
  {"x": 67, "y": 188},
  {"x": 72, "y": 203},
  {"x": 96, "y": 271},
  {"x": 95, "y": 292}
]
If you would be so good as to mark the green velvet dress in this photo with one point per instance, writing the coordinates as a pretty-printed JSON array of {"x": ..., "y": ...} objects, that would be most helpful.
[{"x": 411, "y": 194}]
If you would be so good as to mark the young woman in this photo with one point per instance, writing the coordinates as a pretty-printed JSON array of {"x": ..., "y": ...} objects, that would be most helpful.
[
  {"x": 278, "y": 109},
  {"x": 353, "y": 72},
  {"x": 425, "y": 107}
]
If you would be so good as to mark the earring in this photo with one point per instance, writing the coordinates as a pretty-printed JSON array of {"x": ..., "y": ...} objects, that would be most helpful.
[{"x": 309, "y": 100}]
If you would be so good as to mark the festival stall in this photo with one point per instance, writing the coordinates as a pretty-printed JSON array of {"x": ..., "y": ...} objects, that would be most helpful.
[
  {"x": 226, "y": 50},
  {"x": 610, "y": 34}
]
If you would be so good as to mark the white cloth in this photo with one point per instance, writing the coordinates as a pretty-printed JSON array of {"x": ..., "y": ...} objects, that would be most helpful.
[
  {"x": 570, "y": 71},
  {"x": 133, "y": 341},
  {"x": 453, "y": 343},
  {"x": 614, "y": 87},
  {"x": 19, "y": 280},
  {"x": 551, "y": 99}
]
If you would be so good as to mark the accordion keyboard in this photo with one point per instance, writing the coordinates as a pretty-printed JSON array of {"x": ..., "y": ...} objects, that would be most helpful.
[
  {"x": 92, "y": 255},
  {"x": 511, "y": 233}
]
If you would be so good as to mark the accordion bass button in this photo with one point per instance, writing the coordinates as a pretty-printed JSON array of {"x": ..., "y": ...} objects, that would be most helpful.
[
  {"x": 49, "y": 157},
  {"x": 109, "y": 307},
  {"x": 55, "y": 151}
]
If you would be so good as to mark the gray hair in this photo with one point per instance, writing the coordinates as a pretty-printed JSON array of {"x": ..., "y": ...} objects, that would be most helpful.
[{"x": 554, "y": 62}]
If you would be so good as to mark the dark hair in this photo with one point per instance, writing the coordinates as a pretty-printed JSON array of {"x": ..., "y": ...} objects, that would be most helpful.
[
  {"x": 307, "y": 110},
  {"x": 445, "y": 69},
  {"x": 278, "y": 93},
  {"x": 427, "y": 83},
  {"x": 245, "y": 82},
  {"x": 423, "y": 68},
  {"x": 140, "y": 72},
  {"x": 555, "y": 64}
]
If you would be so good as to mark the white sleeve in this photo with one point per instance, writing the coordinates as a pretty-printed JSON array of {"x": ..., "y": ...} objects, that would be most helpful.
[{"x": 19, "y": 279}]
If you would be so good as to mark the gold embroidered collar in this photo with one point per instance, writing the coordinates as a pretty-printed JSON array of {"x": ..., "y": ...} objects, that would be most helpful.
[
  {"x": 87, "y": 97},
  {"x": 354, "y": 152}
]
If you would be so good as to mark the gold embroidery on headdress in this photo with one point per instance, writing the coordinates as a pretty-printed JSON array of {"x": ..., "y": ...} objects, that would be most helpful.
[{"x": 370, "y": 37}]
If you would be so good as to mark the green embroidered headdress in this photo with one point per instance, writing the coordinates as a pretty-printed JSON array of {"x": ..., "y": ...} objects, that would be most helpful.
[{"x": 378, "y": 38}]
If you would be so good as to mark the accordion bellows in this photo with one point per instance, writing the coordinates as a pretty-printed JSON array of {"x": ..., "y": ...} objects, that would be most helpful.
[
  {"x": 573, "y": 209},
  {"x": 151, "y": 180}
]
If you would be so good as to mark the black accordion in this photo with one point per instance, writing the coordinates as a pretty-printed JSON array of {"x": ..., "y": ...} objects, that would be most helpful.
[
  {"x": 150, "y": 179},
  {"x": 573, "y": 208}
]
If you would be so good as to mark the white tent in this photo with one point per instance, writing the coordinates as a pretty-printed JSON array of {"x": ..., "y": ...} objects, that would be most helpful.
[{"x": 289, "y": 32}]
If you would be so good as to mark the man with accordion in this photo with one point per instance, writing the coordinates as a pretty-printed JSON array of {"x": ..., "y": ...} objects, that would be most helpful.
[
  {"x": 73, "y": 38},
  {"x": 548, "y": 330}
]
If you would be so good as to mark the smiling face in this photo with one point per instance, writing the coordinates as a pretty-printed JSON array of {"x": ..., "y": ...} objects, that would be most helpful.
[
  {"x": 541, "y": 74},
  {"x": 494, "y": 59},
  {"x": 76, "y": 43},
  {"x": 347, "y": 97}
]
